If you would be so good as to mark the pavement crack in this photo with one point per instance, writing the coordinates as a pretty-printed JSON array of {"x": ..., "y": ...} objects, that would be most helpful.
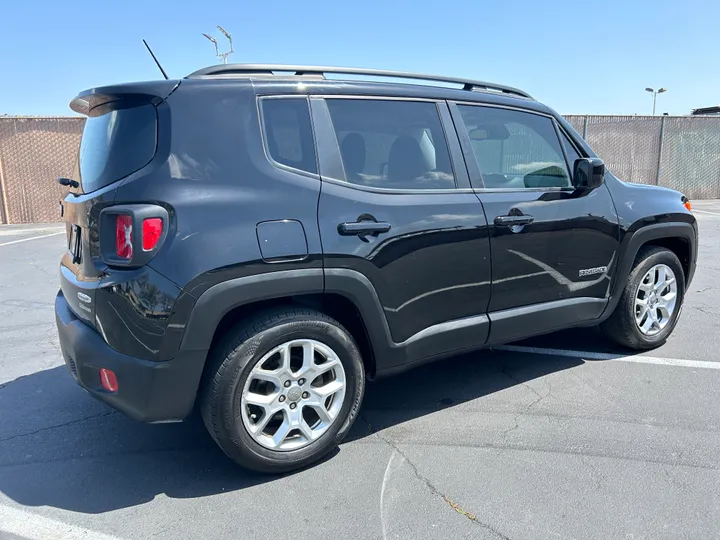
[
  {"x": 430, "y": 486},
  {"x": 69, "y": 423},
  {"x": 538, "y": 398},
  {"x": 705, "y": 310},
  {"x": 674, "y": 481},
  {"x": 41, "y": 269}
]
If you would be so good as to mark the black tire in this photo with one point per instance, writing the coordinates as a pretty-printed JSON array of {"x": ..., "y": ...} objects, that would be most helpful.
[
  {"x": 234, "y": 358},
  {"x": 621, "y": 326}
]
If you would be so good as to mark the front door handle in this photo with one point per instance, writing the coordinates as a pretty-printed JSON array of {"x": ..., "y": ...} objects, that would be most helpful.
[
  {"x": 360, "y": 228},
  {"x": 510, "y": 221}
]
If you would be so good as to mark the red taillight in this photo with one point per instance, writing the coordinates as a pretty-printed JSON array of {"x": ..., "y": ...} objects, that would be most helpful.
[
  {"x": 123, "y": 237},
  {"x": 108, "y": 380},
  {"x": 151, "y": 232}
]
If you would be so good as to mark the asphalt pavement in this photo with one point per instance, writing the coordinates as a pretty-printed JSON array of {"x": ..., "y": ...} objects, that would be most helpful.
[{"x": 529, "y": 442}]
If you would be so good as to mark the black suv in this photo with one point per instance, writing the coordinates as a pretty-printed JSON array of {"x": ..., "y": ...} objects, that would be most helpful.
[{"x": 259, "y": 240}]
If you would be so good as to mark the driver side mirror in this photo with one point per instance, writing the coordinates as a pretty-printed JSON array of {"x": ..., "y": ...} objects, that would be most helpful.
[{"x": 588, "y": 173}]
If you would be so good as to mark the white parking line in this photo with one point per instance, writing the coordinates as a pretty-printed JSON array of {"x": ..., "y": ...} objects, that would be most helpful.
[
  {"x": 12, "y": 231},
  {"x": 32, "y": 526},
  {"x": 586, "y": 355},
  {"x": 706, "y": 212},
  {"x": 32, "y": 238}
]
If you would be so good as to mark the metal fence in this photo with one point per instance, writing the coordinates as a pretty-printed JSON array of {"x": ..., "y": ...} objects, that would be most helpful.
[{"x": 680, "y": 152}]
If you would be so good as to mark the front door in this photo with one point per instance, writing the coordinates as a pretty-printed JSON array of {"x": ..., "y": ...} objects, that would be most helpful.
[
  {"x": 399, "y": 211},
  {"x": 554, "y": 248}
]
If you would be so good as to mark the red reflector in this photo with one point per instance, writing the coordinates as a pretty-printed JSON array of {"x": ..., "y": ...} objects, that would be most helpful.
[
  {"x": 152, "y": 231},
  {"x": 123, "y": 237},
  {"x": 108, "y": 380}
]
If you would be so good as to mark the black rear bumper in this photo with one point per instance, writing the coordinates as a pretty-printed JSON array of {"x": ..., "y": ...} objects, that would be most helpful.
[{"x": 148, "y": 391}]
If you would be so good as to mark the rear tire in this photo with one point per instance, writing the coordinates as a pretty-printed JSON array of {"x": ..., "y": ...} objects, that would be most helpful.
[
  {"x": 282, "y": 389},
  {"x": 649, "y": 308}
]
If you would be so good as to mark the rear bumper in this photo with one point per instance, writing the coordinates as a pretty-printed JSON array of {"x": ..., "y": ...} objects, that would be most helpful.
[{"x": 148, "y": 391}]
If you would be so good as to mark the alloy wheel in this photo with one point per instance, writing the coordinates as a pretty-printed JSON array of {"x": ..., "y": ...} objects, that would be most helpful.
[
  {"x": 655, "y": 299},
  {"x": 293, "y": 395}
]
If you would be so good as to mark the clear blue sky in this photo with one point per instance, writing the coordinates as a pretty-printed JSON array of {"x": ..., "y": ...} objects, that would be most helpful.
[{"x": 575, "y": 56}]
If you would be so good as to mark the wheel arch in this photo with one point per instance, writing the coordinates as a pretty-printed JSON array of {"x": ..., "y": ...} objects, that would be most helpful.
[
  {"x": 348, "y": 299},
  {"x": 680, "y": 238}
]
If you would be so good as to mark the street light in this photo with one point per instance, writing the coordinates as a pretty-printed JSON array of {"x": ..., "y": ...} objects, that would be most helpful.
[
  {"x": 217, "y": 52},
  {"x": 222, "y": 56},
  {"x": 655, "y": 93}
]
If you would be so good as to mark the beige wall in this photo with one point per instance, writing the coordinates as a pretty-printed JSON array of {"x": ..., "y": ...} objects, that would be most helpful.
[{"x": 34, "y": 152}]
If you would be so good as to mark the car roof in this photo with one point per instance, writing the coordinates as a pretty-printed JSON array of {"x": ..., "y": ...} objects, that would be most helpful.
[
  {"x": 272, "y": 79},
  {"x": 273, "y": 70}
]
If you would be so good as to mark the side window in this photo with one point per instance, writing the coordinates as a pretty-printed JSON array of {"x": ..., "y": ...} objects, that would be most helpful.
[
  {"x": 515, "y": 149},
  {"x": 288, "y": 133},
  {"x": 392, "y": 144}
]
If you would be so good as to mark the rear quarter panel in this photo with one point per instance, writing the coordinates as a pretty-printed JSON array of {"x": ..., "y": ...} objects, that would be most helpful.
[{"x": 218, "y": 185}]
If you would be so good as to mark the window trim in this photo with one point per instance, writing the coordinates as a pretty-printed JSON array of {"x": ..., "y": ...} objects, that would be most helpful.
[
  {"x": 472, "y": 165},
  {"x": 571, "y": 166},
  {"x": 568, "y": 166},
  {"x": 459, "y": 170},
  {"x": 263, "y": 135}
]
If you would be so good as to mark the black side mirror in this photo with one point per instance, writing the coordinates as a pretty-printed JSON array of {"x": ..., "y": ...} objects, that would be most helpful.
[{"x": 588, "y": 173}]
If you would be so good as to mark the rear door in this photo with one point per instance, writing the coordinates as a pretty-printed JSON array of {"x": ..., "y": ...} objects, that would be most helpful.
[
  {"x": 554, "y": 248},
  {"x": 396, "y": 208}
]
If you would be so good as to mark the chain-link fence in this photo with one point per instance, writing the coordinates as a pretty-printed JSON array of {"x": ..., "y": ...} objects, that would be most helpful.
[{"x": 681, "y": 152}]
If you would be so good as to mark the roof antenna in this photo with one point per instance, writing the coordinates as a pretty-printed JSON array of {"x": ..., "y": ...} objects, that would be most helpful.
[
  {"x": 156, "y": 60},
  {"x": 223, "y": 56}
]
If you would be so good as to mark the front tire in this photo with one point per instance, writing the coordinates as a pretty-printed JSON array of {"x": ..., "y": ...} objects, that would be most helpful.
[
  {"x": 283, "y": 389},
  {"x": 651, "y": 301}
]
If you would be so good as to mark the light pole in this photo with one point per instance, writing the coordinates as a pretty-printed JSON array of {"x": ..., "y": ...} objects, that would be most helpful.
[
  {"x": 220, "y": 55},
  {"x": 655, "y": 93}
]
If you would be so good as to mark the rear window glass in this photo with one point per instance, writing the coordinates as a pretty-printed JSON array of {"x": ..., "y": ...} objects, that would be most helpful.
[
  {"x": 392, "y": 144},
  {"x": 288, "y": 133},
  {"x": 116, "y": 144}
]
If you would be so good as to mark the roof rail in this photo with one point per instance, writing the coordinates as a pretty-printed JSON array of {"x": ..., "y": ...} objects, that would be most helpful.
[{"x": 320, "y": 71}]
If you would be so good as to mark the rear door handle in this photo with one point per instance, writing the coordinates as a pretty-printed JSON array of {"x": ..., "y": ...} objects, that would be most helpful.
[
  {"x": 360, "y": 228},
  {"x": 509, "y": 221}
]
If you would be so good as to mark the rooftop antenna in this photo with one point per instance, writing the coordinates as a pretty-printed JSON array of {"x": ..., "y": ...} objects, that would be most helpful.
[
  {"x": 220, "y": 55},
  {"x": 156, "y": 60}
]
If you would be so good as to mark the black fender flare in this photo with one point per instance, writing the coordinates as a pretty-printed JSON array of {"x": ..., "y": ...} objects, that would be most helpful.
[
  {"x": 220, "y": 299},
  {"x": 632, "y": 243}
]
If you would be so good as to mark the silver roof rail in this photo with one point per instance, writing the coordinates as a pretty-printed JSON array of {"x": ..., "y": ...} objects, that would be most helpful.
[{"x": 320, "y": 71}]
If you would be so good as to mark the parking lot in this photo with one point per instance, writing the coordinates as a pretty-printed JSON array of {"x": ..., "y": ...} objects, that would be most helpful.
[{"x": 561, "y": 436}]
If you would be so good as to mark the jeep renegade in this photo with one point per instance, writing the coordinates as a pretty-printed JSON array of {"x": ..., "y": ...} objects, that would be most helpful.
[{"x": 257, "y": 240}]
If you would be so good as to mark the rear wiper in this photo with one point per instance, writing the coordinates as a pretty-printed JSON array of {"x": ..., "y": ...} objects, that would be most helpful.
[{"x": 68, "y": 182}]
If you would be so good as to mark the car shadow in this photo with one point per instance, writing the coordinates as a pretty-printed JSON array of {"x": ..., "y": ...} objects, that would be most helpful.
[{"x": 61, "y": 448}]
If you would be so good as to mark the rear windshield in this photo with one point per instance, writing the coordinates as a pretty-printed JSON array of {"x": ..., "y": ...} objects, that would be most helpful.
[{"x": 117, "y": 142}]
